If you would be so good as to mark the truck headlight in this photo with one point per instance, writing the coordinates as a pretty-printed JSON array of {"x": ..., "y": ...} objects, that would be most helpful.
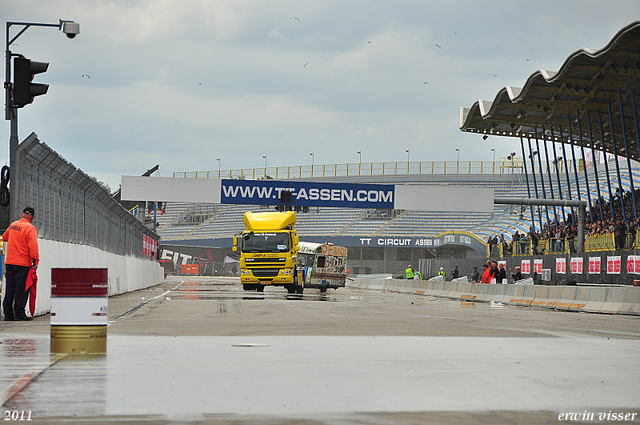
[
  {"x": 285, "y": 271},
  {"x": 246, "y": 272}
]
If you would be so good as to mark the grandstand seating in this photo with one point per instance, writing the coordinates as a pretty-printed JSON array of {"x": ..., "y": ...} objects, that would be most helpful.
[{"x": 226, "y": 221}]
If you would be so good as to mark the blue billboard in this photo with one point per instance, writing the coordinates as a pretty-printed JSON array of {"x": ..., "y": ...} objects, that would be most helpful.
[{"x": 270, "y": 192}]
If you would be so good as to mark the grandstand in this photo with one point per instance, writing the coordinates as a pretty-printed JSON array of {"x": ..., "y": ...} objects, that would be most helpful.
[{"x": 184, "y": 222}]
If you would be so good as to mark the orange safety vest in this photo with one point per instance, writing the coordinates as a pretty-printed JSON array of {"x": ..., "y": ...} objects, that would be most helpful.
[{"x": 22, "y": 244}]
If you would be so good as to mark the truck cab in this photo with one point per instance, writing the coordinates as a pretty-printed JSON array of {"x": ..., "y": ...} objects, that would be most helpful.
[{"x": 268, "y": 250}]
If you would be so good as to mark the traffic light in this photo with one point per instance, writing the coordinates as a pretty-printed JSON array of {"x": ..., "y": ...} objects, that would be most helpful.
[{"x": 23, "y": 89}]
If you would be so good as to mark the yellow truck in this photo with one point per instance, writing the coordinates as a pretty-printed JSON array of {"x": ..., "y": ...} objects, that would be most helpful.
[{"x": 269, "y": 251}]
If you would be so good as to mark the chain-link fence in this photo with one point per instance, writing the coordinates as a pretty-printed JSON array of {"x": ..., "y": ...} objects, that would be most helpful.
[{"x": 70, "y": 206}]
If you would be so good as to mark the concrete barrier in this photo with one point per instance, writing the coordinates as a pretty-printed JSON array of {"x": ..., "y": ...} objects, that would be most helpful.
[
  {"x": 436, "y": 288},
  {"x": 614, "y": 300},
  {"x": 631, "y": 303},
  {"x": 486, "y": 293},
  {"x": 554, "y": 296},
  {"x": 541, "y": 296},
  {"x": 469, "y": 291},
  {"x": 595, "y": 299},
  {"x": 506, "y": 295},
  {"x": 582, "y": 295},
  {"x": 523, "y": 295},
  {"x": 567, "y": 298}
]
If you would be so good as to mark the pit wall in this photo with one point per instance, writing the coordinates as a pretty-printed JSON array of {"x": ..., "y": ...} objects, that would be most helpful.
[
  {"x": 125, "y": 274},
  {"x": 593, "y": 299}
]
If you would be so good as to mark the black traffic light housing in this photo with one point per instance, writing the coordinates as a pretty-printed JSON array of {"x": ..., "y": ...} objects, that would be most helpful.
[{"x": 23, "y": 89}]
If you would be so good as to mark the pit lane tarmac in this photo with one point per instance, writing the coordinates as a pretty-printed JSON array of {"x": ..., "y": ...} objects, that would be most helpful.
[{"x": 355, "y": 357}]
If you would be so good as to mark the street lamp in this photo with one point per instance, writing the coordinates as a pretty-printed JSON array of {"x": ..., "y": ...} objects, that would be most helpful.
[
  {"x": 71, "y": 29},
  {"x": 458, "y": 151},
  {"x": 313, "y": 159},
  {"x": 360, "y": 154},
  {"x": 493, "y": 164},
  {"x": 265, "y": 162},
  {"x": 218, "y": 159},
  {"x": 408, "y": 154}
]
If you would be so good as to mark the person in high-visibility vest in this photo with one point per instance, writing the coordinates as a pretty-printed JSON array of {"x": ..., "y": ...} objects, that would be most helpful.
[
  {"x": 408, "y": 273},
  {"x": 442, "y": 272},
  {"x": 417, "y": 275}
]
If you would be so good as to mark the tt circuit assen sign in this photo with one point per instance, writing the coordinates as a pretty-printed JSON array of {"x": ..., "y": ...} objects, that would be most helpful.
[
  {"x": 310, "y": 194},
  {"x": 425, "y": 197}
]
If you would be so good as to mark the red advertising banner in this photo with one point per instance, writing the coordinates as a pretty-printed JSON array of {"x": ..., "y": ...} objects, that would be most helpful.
[
  {"x": 149, "y": 246},
  {"x": 576, "y": 265},
  {"x": 633, "y": 264},
  {"x": 525, "y": 266},
  {"x": 594, "y": 265},
  {"x": 537, "y": 266},
  {"x": 614, "y": 264},
  {"x": 561, "y": 265}
]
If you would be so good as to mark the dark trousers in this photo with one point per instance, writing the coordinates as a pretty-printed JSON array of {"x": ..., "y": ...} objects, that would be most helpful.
[{"x": 15, "y": 299}]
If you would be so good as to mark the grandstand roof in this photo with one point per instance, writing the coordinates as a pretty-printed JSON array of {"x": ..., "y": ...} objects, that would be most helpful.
[{"x": 590, "y": 84}]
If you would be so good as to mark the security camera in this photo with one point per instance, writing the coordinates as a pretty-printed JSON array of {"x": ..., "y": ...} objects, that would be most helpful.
[{"x": 71, "y": 29}]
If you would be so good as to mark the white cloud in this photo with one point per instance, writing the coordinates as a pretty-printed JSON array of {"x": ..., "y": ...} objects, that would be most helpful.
[{"x": 180, "y": 83}]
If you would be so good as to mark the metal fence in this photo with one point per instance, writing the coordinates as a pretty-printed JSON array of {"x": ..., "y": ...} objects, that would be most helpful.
[{"x": 70, "y": 206}]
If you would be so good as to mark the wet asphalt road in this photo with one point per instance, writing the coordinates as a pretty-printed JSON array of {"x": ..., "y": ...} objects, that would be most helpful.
[{"x": 203, "y": 351}]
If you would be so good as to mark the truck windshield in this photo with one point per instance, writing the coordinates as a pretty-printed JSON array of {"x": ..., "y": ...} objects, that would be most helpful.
[{"x": 265, "y": 242}]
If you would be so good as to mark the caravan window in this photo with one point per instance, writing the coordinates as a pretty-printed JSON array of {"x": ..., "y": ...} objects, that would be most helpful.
[{"x": 305, "y": 260}]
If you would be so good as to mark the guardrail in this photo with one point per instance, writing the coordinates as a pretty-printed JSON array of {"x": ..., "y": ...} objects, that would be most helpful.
[{"x": 502, "y": 166}]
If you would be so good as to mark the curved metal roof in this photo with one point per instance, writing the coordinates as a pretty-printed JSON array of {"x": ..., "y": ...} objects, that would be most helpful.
[{"x": 592, "y": 85}]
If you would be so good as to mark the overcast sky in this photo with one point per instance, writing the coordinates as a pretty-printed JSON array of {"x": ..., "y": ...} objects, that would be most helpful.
[{"x": 181, "y": 83}]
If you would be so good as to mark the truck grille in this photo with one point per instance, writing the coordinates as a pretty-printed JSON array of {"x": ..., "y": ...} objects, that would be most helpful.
[{"x": 265, "y": 272}]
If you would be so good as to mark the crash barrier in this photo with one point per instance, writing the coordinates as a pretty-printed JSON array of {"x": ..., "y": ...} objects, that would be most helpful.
[{"x": 593, "y": 299}]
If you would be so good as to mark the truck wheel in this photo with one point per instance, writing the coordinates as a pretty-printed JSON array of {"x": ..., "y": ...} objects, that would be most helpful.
[
  {"x": 260, "y": 288},
  {"x": 291, "y": 289},
  {"x": 248, "y": 287}
]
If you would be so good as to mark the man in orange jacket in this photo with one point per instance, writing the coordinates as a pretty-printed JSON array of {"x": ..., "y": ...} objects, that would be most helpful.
[{"x": 21, "y": 253}]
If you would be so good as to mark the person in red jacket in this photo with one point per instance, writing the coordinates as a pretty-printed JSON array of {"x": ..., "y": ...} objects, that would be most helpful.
[
  {"x": 21, "y": 254},
  {"x": 486, "y": 276}
]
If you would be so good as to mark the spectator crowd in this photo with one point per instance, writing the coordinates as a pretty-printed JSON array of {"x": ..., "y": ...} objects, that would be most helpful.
[{"x": 619, "y": 224}]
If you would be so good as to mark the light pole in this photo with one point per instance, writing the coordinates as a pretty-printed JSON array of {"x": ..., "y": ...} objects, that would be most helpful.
[
  {"x": 458, "y": 160},
  {"x": 218, "y": 159},
  {"x": 360, "y": 162},
  {"x": 408, "y": 159},
  {"x": 511, "y": 156},
  {"x": 313, "y": 158},
  {"x": 493, "y": 164},
  {"x": 71, "y": 29}
]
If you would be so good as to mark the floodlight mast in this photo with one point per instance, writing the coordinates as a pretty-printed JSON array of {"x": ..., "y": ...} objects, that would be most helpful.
[{"x": 71, "y": 29}]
